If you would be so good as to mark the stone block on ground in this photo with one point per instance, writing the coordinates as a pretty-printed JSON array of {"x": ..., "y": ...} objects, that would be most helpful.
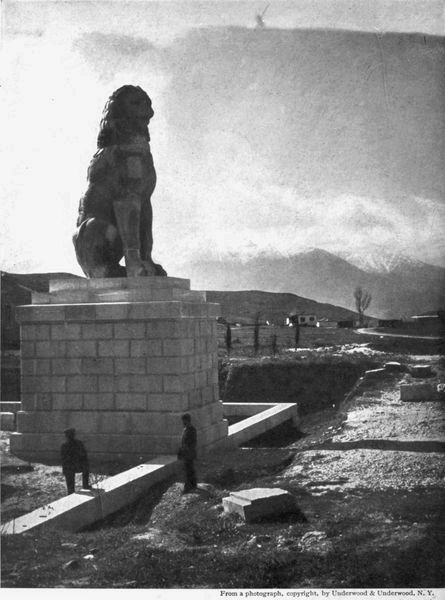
[
  {"x": 421, "y": 371},
  {"x": 416, "y": 392},
  {"x": 256, "y": 503}
]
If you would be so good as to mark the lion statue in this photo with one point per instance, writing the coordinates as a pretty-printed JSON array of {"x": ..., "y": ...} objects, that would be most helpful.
[{"x": 115, "y": 215}]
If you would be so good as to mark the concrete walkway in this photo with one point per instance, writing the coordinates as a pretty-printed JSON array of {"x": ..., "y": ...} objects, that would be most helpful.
[{"x": 79, "y": 510}]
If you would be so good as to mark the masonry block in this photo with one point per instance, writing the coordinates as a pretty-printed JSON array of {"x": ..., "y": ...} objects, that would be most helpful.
[
  {"x": 129, "y": 330},
  {"x": 44, "y": 401},
  {"x": 98, "y": 366},
  {"x": 115, "y": 422},
  {"x": 42, "y": 332},
  {"x": 163, "y": 329},
  {"x": 27, "y": 350},
  {"x": 81, "y": 349},
  {"x": 134, "y": 365},
  {"x": 80, "y": 312},
  {"x": 172, "y": 384},
  {"x": 139, "y": 383},
  {"x": 167, "y": 402},
  {"x": 166, "y": 365},
  {"x": 97, "y": 331},
  {"x": 49, "y": 349},
  {"x": 100, "y": 401},
  {"x": 148, "y": 347},
  {"x": 131, "y": 401},
  {"x": 106, "y": 383},
  {"x": 28, "y": 367},
  {"x": 112, "y": 311},
  {"x": 66, "y": 366},
  {"x": 65, "y": 331},
  {"x": 85, "y": 421},
  {"x": 82, "y": 383},
  {"x": 114, "y": 348},
  {"x": 178, "y": 347},
  {"x": 66, "y": 402}
]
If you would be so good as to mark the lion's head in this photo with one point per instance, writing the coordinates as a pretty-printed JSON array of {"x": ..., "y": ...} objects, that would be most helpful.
[{"x": 128, "y": 111}]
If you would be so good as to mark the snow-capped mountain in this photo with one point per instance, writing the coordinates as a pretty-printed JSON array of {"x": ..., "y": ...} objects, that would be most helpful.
[
  {"x": 377, "y": 259},
  {"x": 410, "y": 287}
]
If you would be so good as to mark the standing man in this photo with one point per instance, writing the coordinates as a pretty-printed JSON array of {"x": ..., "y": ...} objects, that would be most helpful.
[
  {"x": 74, "y": 460},
  {"x": 187, "y": 453}
]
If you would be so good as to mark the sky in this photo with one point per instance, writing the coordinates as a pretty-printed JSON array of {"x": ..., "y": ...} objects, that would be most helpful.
[{"x": 255, "y": 178}]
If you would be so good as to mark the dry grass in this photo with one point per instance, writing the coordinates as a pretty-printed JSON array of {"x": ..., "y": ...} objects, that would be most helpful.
[{"x": 356, "y": 532}]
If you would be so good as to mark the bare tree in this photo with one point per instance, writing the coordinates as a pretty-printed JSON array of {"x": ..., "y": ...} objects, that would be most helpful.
[{"x": 362, "y": 301}]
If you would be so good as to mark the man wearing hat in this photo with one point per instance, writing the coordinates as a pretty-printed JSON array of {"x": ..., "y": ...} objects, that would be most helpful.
[
  {"x": 74, "y": 460},
  {"x": 187, "y": 453}
]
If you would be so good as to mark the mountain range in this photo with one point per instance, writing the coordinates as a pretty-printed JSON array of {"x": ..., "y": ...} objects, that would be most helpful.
[
  {"x": 311, "y": 281},
  {"x": 400, "y": 286}
]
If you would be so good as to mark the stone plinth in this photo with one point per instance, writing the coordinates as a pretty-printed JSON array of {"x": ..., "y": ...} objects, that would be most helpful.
[
  {"x": 120, "y": 360},
  {"x": 421, "y": 371},
  {"x": 258, "y": 503}
]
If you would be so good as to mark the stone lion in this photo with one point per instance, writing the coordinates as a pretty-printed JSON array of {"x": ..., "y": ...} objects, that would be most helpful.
[{"x": 115, "y": 214}]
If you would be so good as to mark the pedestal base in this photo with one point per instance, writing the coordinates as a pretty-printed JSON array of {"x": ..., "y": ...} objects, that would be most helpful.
[{"x": 120, "y": 360}]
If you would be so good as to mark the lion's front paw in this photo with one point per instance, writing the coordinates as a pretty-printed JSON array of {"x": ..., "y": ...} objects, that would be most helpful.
[
  {"x": 154, "y": 269},
  {"x": 136, "y": 271}
]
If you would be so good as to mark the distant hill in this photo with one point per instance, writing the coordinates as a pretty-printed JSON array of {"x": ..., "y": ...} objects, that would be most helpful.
[
  {"x": 236, "y": 306},
  {"x": 243, "y": 306},
  {"x": 327, "y": 278}
]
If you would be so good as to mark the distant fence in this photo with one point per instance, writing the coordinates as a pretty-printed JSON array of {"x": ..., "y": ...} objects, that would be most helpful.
[{"x": 244, "y": 336}]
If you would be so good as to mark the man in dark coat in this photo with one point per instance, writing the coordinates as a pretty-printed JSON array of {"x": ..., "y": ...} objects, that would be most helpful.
[
  {"x": 187, "y": 453},
  {"x": 74, "y": 460}
]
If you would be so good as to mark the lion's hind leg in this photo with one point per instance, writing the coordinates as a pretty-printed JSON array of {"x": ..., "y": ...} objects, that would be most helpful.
[{"x": 99, "y": 249}]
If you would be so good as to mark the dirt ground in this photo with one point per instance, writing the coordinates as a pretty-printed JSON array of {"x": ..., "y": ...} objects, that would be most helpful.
[{"x": 369, "y": 480}]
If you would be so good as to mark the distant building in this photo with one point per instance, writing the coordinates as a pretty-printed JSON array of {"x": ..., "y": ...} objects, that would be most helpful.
[
  {"x": 302, "y": 320},
  {"x": 327, "y": 323}
]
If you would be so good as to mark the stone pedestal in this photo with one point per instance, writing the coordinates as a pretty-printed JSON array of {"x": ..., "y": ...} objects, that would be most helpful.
[{"x": 120, "y": 360}]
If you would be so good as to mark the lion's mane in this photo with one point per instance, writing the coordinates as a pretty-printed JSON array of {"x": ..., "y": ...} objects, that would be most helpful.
[{"x": 115, "y": 126}]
